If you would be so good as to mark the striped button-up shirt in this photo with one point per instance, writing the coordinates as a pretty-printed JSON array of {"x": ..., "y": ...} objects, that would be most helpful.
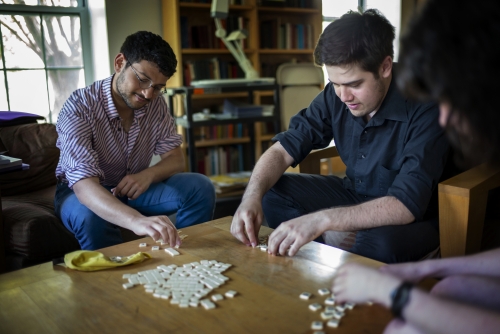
[{"x": 93, "y": 142}]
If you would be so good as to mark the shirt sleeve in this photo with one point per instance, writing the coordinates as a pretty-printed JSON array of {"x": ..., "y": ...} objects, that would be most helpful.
[
  {"x": 168, "y": 136},
  {"x": 424, "y": 157},
  {"x": 78, "y": 160},
  {"x": 309, "y": 129}
]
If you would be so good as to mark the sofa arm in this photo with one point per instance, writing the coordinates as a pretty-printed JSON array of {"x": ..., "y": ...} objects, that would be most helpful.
[{"x": 462, "y": 209}]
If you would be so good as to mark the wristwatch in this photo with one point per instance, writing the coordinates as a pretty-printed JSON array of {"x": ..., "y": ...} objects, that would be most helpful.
[{"x": 400, "y": 297}]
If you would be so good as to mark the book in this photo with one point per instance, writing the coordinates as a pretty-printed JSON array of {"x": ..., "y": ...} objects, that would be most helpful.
[
  {"x": 231, "y": 182},
  {"x": 241, "y": 109},
  {"x": 10, "y": 163}
]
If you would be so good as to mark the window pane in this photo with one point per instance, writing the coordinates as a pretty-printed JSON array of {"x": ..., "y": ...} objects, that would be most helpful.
[
  {"x": 3, "y": 94},
  {"x": 61, "y": 84},
  {"x": 337, "y": 8},
  {"x": 63, "y": 45},
  {"x": 28, "y": 92},
  {"x": 22, "y": 41},
  {"x": 392, "y": 11},
  {"x": 58, "y": 3}
]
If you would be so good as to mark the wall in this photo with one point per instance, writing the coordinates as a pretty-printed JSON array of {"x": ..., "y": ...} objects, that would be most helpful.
[{"x": 124, "y": 17}]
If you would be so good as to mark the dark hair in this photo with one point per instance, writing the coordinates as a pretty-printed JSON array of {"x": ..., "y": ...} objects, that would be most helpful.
[
  {"x": 144, "y": 45},
  {"x": 451, "y": 54},
  {"x": 361, "y": 39}
]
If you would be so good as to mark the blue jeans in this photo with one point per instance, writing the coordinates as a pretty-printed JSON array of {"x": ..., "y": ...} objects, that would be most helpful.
[{"x": 191, "y": 195}]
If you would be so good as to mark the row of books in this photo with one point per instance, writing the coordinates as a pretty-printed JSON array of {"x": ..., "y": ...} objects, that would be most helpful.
[
  {"x": 203, "y": 36},
  {"x": 221, "y": 131},
  {"x": 231, "y": 2},
  {"x": 221, "y": 160},
  {"x": 287, "y": 3},
  {"x": 214, "y": 68},
  {"x": 277, "y": 35}
]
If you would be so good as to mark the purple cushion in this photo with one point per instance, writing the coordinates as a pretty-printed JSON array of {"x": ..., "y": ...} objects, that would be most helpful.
[{"x": 9, "y": 118}]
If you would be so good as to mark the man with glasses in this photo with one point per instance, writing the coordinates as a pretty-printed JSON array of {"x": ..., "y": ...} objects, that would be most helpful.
[{"x": 108, "y": 134}]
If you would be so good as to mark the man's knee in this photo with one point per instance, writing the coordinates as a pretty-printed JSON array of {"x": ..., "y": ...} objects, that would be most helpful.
[{"x": 201, "y": 186}]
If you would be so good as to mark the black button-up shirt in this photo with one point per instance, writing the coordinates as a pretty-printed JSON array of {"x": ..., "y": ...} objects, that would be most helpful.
[{"x": 400, "y": 152}]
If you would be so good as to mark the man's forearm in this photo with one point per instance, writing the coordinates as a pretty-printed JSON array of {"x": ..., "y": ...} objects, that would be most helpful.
[
  {"x": 481, "y": 264},
  {"x": 100, "y": 201},
  {"x": 267, "y": 171},
  {"x": 378, "y": 212}
]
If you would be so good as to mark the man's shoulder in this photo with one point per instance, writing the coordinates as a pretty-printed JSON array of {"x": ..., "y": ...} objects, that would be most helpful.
[{"x": 421, "y": 109}]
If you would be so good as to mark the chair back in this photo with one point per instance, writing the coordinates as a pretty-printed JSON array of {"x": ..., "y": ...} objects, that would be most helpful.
[{"x": 300, "y": 83}]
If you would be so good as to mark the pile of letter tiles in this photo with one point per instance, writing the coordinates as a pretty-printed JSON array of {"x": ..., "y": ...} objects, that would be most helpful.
[
  {"x": 184, "y": 285},
  {"x": 332, "y": 313}
]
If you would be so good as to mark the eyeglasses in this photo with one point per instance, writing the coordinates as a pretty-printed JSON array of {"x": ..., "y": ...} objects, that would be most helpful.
[{"x": 147, "y": 83}]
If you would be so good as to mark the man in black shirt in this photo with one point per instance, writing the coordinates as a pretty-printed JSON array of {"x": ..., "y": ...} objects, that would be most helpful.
[{"x": 393, "y": 148}]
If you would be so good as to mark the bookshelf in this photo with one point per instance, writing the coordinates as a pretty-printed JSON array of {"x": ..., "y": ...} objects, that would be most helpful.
[
  {"x": 227, "y": 133},
  {"x": 189, "y": 29}
]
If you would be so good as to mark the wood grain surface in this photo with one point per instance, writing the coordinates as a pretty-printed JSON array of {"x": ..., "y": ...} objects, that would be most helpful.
[{"x": 48, "y": 299}]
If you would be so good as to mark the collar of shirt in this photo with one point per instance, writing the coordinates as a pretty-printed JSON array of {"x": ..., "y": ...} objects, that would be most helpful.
[
  {"x": 109, "y": 104},
  {"x": 394, "y": 105}
]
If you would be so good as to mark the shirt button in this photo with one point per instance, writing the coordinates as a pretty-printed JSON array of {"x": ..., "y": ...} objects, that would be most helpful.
[
  {"x": 366, "y": 132},
  {"x": 363, "y": 156},
  {"x": 359, "y": 181}
]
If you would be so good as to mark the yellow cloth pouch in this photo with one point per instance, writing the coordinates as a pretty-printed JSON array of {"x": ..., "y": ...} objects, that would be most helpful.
[{"x": 91, "y": 260}]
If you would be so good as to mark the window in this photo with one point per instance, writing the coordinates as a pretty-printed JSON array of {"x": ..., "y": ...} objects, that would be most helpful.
[{"x": 45, "y": 54}]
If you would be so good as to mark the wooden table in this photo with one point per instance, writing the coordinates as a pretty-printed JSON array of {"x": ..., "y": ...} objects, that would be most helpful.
[{"x": 47, "y": 299}]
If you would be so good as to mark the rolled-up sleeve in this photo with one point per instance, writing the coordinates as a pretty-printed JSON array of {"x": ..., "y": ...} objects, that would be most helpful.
[
  {"x": 309, "y": 129},
  {"x": 423, "y": 160},
  {"x": 77, "y": 159}
]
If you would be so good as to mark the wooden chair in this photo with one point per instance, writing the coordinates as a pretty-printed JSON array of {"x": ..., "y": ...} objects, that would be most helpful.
[
  {"x": 462, "y": 209},
  {"x": 462, "y": 203},
  {"x": 299, "y": 84}
]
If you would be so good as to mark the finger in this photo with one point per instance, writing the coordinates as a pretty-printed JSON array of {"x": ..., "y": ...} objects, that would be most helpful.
[
  {"x": 119, "y": 187},
  {"x": 237, "y": 230},
  {"x": 168, "y": 231},
  {"x": 126, "y": 189},
  {"x": 274, "y": 241},
  {"x": 133, "y": 194},
  {"x": 285, "y": 245},
  {"x": 153, "y": 233},
  {"x": 294, "y": 248},
  {"x": 250, "y": 231}
]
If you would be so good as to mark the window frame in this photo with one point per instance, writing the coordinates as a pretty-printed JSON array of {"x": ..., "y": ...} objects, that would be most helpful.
[{"x": 81, "y": 10}]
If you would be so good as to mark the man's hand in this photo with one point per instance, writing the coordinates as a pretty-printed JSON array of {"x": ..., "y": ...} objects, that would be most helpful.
[
  {"x": 247, "y": 221},
  {"x": 293, "y": 234},
  {"x": 358, "y": 284},
  {"x": 157, "y": 227},
  {"x": 133, "y": 185}
]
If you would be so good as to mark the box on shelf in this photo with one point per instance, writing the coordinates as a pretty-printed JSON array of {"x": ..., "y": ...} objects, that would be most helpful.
[{"x": 241, "y": 109}]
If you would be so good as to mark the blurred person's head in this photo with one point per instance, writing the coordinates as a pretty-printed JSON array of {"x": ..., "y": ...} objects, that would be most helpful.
[{"x": 451, "y": 54}]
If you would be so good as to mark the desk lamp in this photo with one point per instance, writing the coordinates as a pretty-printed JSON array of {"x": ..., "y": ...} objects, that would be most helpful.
[{"x": 219, "y": 10}]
